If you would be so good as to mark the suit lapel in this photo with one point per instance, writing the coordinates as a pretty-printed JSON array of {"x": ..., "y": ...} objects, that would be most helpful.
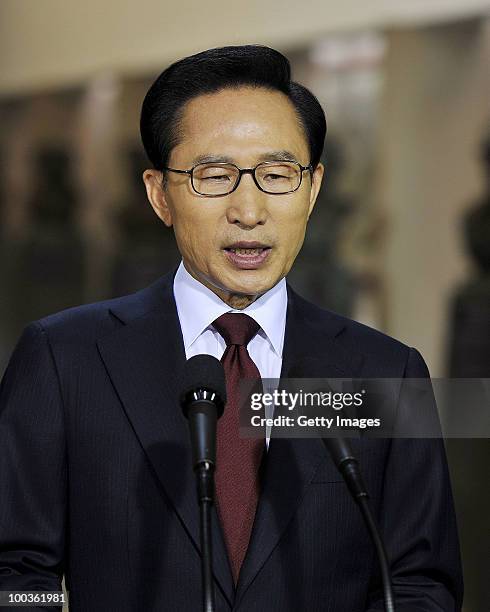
[
  {"x": 312, "y": 348},
  {"x": 145, "y": 359}
]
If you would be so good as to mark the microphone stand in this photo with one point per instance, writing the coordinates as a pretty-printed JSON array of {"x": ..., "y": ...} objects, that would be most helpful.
[
  {"x": 202, "y": 422},
  {"x": 368, "y": 516},
  {"x": 203, "y": 400},
  {"x": 348, "y": 466},
  {"x": 205, "y": 486}
]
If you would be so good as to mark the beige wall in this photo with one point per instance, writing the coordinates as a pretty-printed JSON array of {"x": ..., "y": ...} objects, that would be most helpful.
[
  {"x": 436, "y": 110},
  {"x": 45, "y": 43}
]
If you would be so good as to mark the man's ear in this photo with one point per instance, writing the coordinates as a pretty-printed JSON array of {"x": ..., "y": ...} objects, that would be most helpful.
[
  {"x": 156, "y": 194},
  {"x": 316, "y": 183}
]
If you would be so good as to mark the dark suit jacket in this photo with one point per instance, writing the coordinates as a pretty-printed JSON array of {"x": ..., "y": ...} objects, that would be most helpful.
[{"x": 96, "y": 478}]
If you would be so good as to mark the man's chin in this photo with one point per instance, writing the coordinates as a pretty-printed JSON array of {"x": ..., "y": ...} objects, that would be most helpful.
[
  {"x": 249, "y": 283},
  {"x": 239, "y": 283},
  {"x": 252, "y": 287}
]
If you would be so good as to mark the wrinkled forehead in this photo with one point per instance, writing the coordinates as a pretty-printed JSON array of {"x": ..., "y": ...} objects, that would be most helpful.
[{"x": 240, "y": 124}]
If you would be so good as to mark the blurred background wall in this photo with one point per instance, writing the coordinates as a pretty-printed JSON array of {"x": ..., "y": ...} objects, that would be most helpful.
[{"x": 399, "y": 237}]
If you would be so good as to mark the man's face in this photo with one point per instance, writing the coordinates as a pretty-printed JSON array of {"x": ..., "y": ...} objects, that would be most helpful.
[{"x": 244, "y": 126}]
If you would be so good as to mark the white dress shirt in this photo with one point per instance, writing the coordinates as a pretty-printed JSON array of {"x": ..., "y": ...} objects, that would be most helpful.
[{"x": 198, "y": 307}]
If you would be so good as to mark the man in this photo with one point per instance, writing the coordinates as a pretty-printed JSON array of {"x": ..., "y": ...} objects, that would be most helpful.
[{"x": 95, "y": 466}]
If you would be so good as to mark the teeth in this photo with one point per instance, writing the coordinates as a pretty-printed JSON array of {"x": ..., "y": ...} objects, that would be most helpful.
[{"x": 246, "y": 251}]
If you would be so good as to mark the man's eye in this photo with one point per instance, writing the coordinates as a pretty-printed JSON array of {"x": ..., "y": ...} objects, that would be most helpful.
[
  {"x": 274, "y": 177},
  {"x": 217, "y": 177}
]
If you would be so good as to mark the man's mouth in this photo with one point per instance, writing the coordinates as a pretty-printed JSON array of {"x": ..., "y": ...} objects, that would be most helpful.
[
  {"x": 247, "y": 255},
  {"x": 247, "y": 248},
  {"x": 247, "y": 251}
]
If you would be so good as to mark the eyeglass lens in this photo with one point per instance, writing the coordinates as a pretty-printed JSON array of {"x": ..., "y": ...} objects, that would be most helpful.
[{"x": 214, "y": 179}]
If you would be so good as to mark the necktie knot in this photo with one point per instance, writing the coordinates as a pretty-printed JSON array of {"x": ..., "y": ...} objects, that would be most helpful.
[{"x": 236, "y": 328}]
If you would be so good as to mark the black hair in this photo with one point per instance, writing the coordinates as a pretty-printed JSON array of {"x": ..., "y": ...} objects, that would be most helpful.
[{"x": 211, "y": 71}]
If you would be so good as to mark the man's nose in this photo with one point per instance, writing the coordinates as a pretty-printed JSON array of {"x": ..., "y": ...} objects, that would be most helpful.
[{"x": 247, "y": 204}]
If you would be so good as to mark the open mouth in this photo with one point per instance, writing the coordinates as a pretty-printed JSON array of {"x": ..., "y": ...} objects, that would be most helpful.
[
  {"x": 247, "y": 251},
  {"x": 247, "y": 247},
  {"x": 247, "y": 256}
]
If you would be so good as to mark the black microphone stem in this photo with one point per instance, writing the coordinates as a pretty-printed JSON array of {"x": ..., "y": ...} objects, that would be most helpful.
[
  {"x": 204, "y": 473},
  {"x": 347, "y": 464},
  {"x": 202, "y": 421},
  {"x": 380, "y": 550}
]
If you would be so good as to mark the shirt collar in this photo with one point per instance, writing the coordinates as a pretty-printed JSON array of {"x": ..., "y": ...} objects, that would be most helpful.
[{"x": 198, "y": 307}]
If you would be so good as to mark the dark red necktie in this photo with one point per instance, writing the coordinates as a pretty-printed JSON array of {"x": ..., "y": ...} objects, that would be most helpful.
[{"x": 237, "y": 459}]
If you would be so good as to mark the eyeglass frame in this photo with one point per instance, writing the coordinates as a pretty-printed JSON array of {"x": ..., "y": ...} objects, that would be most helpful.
[{"x": 241, "y": 172}]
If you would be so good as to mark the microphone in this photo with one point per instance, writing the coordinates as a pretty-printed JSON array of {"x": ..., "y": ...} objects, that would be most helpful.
[
  {"x": 346, "y": 462},
  {"x": 341, "y": 452},
  {"x": 203, "y": 399},
  {"x": 343, "y": 457}
]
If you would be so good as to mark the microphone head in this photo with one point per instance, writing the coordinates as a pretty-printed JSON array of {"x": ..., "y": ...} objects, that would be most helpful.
[{"x": 204, "y": 378}]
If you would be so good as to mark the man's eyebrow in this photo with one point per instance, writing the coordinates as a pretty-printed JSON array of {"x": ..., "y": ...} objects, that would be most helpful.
[
  {"x": 282, "y": 155},
  {"x": 206, "y": 159}
]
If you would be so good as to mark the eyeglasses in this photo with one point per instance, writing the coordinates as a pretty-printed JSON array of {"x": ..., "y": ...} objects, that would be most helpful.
[{"x": 219, "y": 179}]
